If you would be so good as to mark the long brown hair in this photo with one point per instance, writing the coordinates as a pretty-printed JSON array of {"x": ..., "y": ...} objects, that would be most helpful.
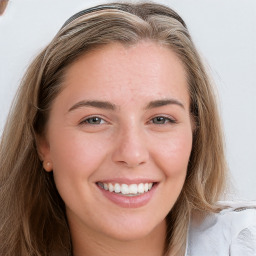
[{"x": 32, "y": 216}]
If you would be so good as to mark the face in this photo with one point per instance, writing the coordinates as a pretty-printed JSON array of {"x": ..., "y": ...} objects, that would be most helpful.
[{"x": 119, "y": 138}]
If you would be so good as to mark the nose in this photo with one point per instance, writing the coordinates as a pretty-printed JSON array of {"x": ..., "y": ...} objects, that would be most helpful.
[{"x": 131, "y": 148}]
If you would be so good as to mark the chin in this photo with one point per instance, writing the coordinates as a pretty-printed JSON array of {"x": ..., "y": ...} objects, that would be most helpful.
[{"x": 134, "y": 230}]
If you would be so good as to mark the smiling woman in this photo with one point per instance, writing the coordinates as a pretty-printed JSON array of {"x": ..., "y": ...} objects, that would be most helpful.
[
  {"x": 121, "y": 141},
  {"x": 114, "y": 145}
]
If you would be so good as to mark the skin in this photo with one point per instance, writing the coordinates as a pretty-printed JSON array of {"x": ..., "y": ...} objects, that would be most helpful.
[{"x": 127, "y": 142}]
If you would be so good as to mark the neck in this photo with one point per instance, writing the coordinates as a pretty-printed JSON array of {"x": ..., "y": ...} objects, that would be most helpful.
[{"x": 87, "y": 244}]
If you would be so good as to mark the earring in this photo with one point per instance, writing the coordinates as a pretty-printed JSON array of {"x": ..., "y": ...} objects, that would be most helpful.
[{"x": 47, "y": 166}]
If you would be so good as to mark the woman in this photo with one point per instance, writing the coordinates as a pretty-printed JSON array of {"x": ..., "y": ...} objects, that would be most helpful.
[{"x": 114, "y": 144}]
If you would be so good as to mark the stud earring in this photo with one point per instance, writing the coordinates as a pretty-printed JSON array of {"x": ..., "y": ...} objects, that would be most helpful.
[{"x": 47, "y": 166}]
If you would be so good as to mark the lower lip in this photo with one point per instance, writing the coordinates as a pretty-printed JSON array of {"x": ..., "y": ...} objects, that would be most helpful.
[{"x": 129, "y": 201}]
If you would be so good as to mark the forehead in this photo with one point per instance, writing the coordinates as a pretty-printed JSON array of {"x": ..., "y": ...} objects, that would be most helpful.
[{"x": 145, "y": 68}]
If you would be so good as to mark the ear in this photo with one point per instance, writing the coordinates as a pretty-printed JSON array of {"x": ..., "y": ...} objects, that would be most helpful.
[{"x": 44, "y": 153}]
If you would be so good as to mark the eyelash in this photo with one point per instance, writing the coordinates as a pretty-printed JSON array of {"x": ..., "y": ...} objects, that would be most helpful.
[
  {"x": 86, "y": 121},
  {"x": 163, "y": 118},
  {"x": 160, "y": 118}
]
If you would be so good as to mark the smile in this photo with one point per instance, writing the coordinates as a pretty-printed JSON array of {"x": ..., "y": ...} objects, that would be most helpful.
[
  {"x": 128, "y": 193},
  {"x": 125, "y": 189}
]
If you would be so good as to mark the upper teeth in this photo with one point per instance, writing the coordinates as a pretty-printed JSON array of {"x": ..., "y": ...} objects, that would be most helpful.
[{"x": 125, "y": 189}]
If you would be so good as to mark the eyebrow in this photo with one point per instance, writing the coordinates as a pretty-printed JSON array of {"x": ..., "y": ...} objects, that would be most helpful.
[
  {"x": 93, "y": 103},
  {"x": 110, "y": 106},
  {"x": 164, "y": 102}
]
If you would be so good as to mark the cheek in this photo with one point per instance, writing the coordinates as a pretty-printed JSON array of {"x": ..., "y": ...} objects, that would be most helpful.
[
  {"x": 172, "y": 158},
  {"x": 77, "y": 154},
  {"x": 173, "y": 154}
]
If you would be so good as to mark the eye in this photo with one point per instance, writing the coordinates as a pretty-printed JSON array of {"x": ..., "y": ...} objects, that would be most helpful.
[
  {"x": 94, "y": 120},
  {"x": 162, "y": 120}
]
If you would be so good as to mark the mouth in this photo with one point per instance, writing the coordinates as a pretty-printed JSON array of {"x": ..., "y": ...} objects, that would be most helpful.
[{"x": 128, "y": 190}]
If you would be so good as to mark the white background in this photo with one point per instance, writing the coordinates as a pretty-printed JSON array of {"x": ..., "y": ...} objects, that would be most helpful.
[{"x": 224, "y": 32}]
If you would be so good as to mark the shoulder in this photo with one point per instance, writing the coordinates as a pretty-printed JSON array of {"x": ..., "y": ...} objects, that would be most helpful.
[{"x": 229, "y": 232}]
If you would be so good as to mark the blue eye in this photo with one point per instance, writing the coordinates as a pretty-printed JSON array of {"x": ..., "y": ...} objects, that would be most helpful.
[
  {"x": 162, "y": 120},
  {"x": 93, "y": 120}
]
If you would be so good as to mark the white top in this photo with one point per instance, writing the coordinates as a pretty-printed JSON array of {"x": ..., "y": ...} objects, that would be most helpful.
[{"x": 232, "y": 232}]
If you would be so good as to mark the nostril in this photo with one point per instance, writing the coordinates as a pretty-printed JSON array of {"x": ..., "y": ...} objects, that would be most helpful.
[{"x": 131, "y": 163}]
